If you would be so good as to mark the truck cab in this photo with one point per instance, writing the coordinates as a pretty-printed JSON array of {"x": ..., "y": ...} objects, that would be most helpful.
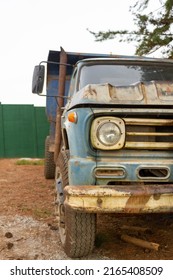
[{"x": 112, "y": 143}]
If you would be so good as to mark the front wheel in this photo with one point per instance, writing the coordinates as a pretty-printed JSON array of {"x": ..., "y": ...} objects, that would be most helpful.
[
  {"x": 77, "y": 229},
  {"x": 78, "y": 236},
  {"x": 49, "y": 165}
]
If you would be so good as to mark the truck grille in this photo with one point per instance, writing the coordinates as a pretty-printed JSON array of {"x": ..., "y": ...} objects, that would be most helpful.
[{"x": 150, "y": 134}]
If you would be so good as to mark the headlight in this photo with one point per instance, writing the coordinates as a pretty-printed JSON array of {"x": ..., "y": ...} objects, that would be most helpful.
[{"x": 108, "y": 133}]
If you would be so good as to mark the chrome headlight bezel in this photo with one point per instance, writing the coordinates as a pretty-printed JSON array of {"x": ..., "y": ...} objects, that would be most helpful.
[{"x": 95, "y": 135}]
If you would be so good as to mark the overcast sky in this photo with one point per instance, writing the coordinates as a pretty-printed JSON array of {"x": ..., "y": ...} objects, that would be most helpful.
[{"x": 30, "y": 28}]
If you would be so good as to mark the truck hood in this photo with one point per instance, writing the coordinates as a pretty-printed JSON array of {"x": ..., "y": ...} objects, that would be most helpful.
[{"x": 150, "y": 93}]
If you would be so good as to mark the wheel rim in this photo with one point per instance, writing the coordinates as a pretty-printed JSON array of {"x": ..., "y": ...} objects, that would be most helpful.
[{"x": 59, "y": 206}]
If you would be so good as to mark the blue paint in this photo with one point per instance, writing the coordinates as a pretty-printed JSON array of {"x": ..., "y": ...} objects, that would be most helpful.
[{"x": 84, "y": 159}]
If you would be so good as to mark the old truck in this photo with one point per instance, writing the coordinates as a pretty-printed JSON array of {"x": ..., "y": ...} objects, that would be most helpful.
[{"x": 110, "y": 147}]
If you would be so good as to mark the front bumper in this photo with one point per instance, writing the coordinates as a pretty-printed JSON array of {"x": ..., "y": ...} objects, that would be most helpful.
[{"x": 120, "y": 199}]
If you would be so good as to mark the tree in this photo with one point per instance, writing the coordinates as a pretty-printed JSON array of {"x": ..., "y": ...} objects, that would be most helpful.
[{"x": 153, "y": 30}]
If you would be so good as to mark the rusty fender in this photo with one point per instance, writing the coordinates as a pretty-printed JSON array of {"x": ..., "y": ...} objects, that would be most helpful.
[{"x": 120, "y": 199}]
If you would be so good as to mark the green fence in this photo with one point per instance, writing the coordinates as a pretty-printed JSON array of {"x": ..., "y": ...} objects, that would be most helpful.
[{"x": 23, "y": 129}]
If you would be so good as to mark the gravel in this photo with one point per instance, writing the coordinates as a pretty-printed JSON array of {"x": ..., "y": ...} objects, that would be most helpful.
[{"x": 23, "y": 238}]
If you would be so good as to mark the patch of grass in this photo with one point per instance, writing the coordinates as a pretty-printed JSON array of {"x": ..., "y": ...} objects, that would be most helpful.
[
  {"x": 30, "y": 162},
  {"x": 24, "y": 208},
  {"x": 43, "y": 186},
  {"x": 42, "y": 213}
]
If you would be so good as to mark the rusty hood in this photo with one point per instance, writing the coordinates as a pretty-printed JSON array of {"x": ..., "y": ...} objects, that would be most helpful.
[{"x": 150, "y": 93}]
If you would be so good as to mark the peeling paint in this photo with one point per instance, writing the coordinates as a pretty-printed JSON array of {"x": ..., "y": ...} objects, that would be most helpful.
[
  {"x": 120, "y": 199},
  {"x": 144, "y": 93}
]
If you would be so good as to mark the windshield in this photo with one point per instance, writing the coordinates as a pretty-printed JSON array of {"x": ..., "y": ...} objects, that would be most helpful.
[{"x": 124, "y": 75}]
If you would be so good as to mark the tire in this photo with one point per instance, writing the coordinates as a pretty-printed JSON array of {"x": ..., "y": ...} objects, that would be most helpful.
[
  {"x": 77, "y": 229},
  {"x": 49, "y": 165},
  {"x": 80, "y": 233}
]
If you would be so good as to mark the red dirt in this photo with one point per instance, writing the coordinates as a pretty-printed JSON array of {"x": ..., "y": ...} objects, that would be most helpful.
[{"x": 24, "y": 192}]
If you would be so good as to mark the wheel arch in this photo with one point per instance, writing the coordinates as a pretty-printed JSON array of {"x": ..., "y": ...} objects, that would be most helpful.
[{"x": 65, "y": 139}]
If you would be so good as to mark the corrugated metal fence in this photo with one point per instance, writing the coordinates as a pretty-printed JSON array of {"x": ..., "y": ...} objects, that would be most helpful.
[{"x": 23, "y": 129}]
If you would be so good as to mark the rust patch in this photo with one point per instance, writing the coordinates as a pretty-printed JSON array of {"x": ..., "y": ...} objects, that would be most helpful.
[
  {"x": 156, "y": 196},
  {"x": 165, "y": 90},
  {"x": 99, "y": 202},
  {"x": 138, "y": 201},
  {"x": 90, "y": 93}
]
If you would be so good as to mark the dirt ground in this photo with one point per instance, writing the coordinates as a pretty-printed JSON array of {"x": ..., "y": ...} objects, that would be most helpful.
[{"x": 28, "y": 229}]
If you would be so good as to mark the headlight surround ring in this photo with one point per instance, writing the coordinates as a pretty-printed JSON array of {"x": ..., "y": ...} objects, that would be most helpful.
[{"x": 108, "y": 133}]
